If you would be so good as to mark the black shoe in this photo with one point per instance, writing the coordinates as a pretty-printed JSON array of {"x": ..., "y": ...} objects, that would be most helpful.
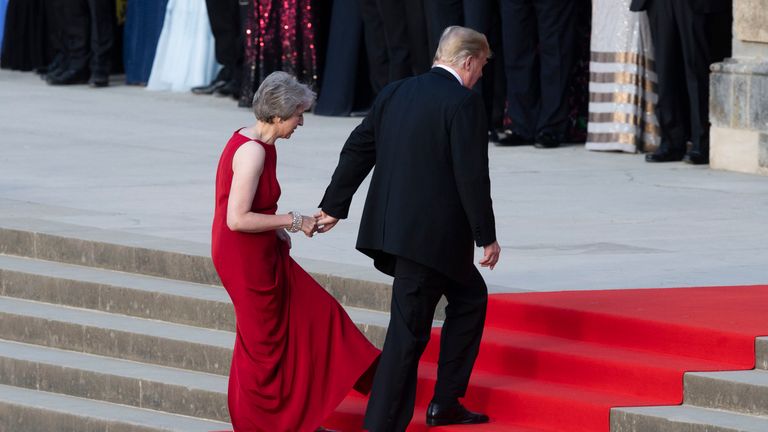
[
  {"x": 694, "y": 157},
  {"x": 511, "y": 138},
  {"x": 441, "y": 415},
  {"x": 546, "y": 140},
  {"x": 210, "y": 88},
  {"x": 664, "y": 156},
  {"x": 230, "y": 88},
  {"x": 98, "y": 80},
  {"x": 69, "y": 77}
]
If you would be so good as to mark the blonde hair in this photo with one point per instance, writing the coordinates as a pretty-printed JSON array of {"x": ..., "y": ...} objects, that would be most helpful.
[
  {"x": 457, "y": 43},
  {"x": 281, "y": 95}
]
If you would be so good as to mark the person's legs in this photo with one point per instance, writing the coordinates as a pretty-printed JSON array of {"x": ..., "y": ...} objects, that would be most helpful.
[
  {"x": 521, "y": 65},
  {"x": 699, "y": 34},
  {"x": 672, "y": 102},
  {"x": 375, "y": 44},
  {"x": 460, "y": 337},
  {"x": 557, "y": 35},
  {"x": 76, "y": 31},
  {"x": 102, "y": 22},
  {"x": 396, "y": 34},
  {"x": 414, "y": 298},
  {"x": 441, "y": 14}
]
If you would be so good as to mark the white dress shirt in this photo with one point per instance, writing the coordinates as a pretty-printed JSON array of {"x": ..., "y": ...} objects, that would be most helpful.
[{"x": 452, "y": 71}]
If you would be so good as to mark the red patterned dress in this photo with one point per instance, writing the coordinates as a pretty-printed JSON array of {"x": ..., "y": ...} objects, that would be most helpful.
[{"x": 297, "y": 354}]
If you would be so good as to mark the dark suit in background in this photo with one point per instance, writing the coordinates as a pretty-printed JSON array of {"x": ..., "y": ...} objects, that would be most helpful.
[
  {"x": 428, "y": 200},
  {"x": 539, "y": 52},
  {"x": 89, "y": 32},
  {"x": 224, "y": 16},
  {"x": 395, "y": 39},
  {"x": 688, "y": 36},
  {"x": 482, "y": 16}
]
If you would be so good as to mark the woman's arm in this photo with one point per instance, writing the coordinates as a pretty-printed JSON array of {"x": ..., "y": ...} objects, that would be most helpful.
[{"x": 247, "y": 166}]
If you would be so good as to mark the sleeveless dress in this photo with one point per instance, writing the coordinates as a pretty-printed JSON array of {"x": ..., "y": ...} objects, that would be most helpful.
[{"x": 297, "y": 354}]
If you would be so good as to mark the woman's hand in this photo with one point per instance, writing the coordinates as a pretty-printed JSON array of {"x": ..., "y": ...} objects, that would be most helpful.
[
  {"x": 308, "y": 225},
  {"x": 284, "y": 236}
]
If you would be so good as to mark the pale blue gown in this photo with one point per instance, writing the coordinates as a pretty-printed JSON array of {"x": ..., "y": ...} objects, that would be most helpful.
[{"x": 185, "y": 56}]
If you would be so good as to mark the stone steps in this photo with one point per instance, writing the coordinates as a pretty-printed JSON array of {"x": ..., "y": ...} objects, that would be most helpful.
[
  {"x": 128, "y": 335},
  {"x": 108, "y": 379},
  {"x": 141, "y": 296},
  {"x": 26, "y": 410},
  {"x": 729, "y": 401}
]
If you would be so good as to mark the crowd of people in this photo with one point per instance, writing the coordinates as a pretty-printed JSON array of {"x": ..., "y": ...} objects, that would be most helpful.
[{"x": 625, "y": 75}]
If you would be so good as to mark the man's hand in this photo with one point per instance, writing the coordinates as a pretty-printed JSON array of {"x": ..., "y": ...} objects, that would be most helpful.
[
  {"x": 490, "y": 255},
  {"x": 325, "y": 221}
]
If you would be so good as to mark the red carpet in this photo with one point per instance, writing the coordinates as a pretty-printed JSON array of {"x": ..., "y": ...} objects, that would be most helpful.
[{"x": 558, "y": 362}]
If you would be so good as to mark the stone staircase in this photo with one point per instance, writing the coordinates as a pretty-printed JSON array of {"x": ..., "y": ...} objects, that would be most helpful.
[
  {"x": 733, "y": 401},
  {"x": 101, "y": 336}
]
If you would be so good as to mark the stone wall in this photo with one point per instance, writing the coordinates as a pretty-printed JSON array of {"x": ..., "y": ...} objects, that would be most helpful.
[{"x": 738, "y": 106}]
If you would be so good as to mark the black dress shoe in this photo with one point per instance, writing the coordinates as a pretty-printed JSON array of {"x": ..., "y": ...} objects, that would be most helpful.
[
  {"x": 546, "y": 140},
  {"x": 509, "y": 137},
  {"x": 442, "y": 415},
  {"x": 696, "y": 158},
  {"x": 230, "y": 89},
  {"x": 69, "y": 77},
  {"x": 210, "y": 88},
  {"x": 98, "y": 80},
  {"x": 664, "y": 156}
]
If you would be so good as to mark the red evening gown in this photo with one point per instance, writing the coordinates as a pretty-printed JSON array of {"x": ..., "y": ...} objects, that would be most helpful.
[{"x": 297, "y": 354}]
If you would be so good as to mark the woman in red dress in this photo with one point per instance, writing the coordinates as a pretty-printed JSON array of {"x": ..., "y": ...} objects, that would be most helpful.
[{"x": 297, "y": 354}]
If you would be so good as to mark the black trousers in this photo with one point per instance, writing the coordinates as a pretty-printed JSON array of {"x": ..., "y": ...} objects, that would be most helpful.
[
  {"x": 482, "y": 16},
  {"x": 395, "y": 39},
  {"x": 89, "y": 33},
  {"x": 226, "y": 26},
  {"x": 686, "y": 43},
  {"x": 539, "y": 53},
  {"x": 415, "y": 293}
]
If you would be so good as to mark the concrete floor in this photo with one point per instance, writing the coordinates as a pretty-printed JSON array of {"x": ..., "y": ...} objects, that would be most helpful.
[{"x": 128, "y": 160}]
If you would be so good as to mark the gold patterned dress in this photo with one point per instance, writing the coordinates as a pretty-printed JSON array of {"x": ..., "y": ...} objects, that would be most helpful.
[{"x": 622, "y": 80}]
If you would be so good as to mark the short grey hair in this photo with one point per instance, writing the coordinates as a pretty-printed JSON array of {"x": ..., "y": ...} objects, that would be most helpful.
[
  {"x": 281, "y": 95},
  {"x": 457, "y": 43}
]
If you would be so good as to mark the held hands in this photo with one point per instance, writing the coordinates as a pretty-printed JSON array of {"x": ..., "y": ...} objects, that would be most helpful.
[
  {"x": 308, "y": 225},
  {"x": 490, "y": 255},
  {"x": 325, "y": 221}
]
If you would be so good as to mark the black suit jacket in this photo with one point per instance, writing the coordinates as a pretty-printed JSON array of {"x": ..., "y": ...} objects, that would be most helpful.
[
  {"x": 430, "y": 193},
  {"x": 700, "y": 6}
]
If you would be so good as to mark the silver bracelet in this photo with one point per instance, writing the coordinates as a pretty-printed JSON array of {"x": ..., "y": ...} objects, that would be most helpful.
[{"x": 296, "y": 223}]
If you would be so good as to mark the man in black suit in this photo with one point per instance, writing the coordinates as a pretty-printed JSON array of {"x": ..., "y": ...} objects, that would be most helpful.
[
  {"x": 428, "y": 200},
  {"x": 539, "y": 53},
  {"x": 225, "y": 18},
  {"x": 688, "y": 36},
  {"x": 88, "y": 28},
  {"x": 395, "y": 40}
]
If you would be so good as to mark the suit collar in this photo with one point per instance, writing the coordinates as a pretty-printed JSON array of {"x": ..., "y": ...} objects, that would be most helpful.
[{"x": 444, "y": 73}]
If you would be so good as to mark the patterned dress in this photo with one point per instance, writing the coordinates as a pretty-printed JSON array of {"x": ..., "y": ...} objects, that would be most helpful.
[{"x": 622, "y": 81}]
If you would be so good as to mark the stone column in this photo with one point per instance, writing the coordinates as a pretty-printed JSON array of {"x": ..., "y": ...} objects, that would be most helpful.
[{"x": 738, "y": 102}]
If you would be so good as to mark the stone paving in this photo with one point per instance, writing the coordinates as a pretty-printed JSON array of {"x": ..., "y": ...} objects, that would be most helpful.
[{"x": 128, "y": 160}]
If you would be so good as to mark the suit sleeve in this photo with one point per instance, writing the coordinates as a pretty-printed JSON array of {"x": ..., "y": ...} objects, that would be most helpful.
[
  {"x": 469, "y": 151},
  {"x": 358, "y": 156}
]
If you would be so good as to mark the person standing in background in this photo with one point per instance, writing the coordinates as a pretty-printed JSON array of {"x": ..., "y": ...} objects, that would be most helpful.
[
  {"x": 226, "y": 25},
  {"x": 88, "y": 29},
  {"x": 622, "y": 87},
  {"x": 539, "y": 52},
  {"x": 394, "y": 40},
  {"x": 688, "y": 35}
]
